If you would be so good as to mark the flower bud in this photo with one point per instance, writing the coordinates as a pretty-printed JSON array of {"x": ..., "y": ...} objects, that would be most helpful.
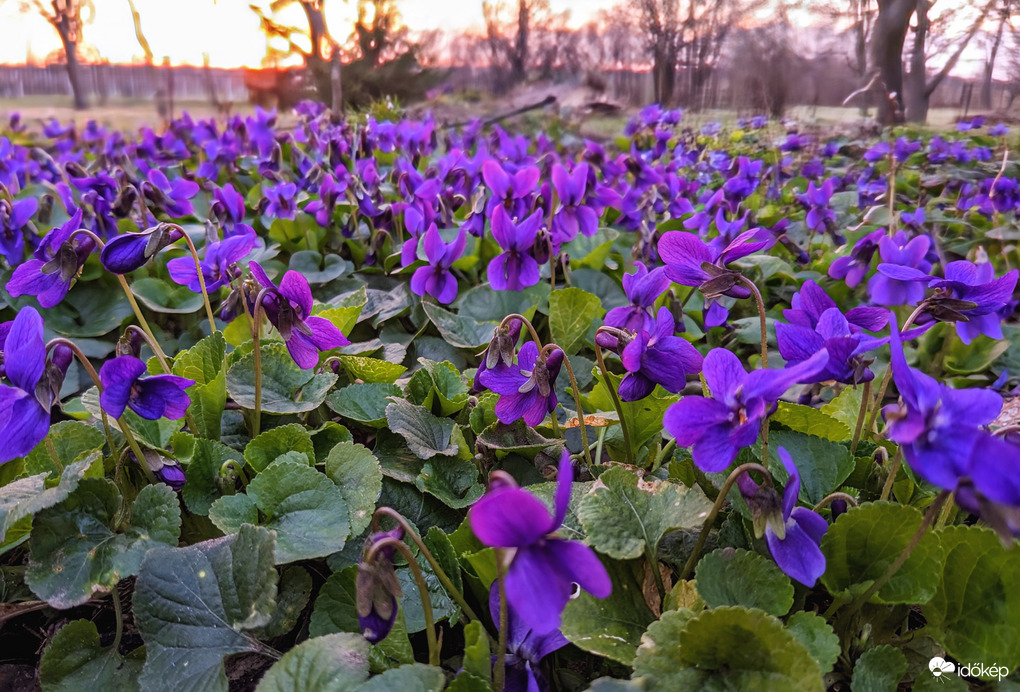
[{"x": 377, "y": 587}]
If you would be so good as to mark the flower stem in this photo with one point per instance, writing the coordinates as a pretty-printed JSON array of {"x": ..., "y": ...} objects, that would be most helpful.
[
  {"x": 201, "y": 282},
  {"x": 95, "y": 379},
  {"x": 653, "y": 564},
  {"x": 440, "y": 573},
  {"x": 255, "y": 329},
  {"x": 580, "y": 412},
  {"x": 832, "y": 497},
  {"x": 915, "y": 540},
  {"x": 861, "y": 415},
  {"x": 719, "y": 500},
  {"x": 527, "y": 323},
  {"x": 423, "y": 591},
  {"x": 616, "y": 402},
  {"x": 499, "y": 675},
  {"x": 894, "y": 468},
  {"x": 118, "y": 612},
  {"x": 137, "y": 451},
  {"x": 876, "y": 407},
  {"x": 231, "y": 463},
  {"x": 661, "y": 458},
  {"x": 760, "y": 304},
  {"x": 947, "y": 509}
]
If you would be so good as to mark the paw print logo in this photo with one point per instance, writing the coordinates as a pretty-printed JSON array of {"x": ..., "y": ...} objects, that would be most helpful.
[{"x": 940, "y": 666}]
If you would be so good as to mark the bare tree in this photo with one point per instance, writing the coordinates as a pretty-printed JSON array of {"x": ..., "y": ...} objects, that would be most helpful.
[
  {"x": 67, "y": 17},
  {"x": 522, "y": 35},
  {"x": 1004, "y": 12}
]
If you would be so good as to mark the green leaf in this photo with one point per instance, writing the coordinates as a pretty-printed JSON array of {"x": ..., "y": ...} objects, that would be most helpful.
[
  {"x": 273, "y": 443},
  {"x": 201, "y": 489},
  {"x": 976, "y": 609},
  {"x": 517, "y": 437},
  {"x": 425, "y": 434},
  {"x": 286, "y": 388},
  {"x": 75, "y": 661},
  {"x": 304, "y": 508},
  {"x": 76, "y": 550},
  {"x": 69, "y": 440},
  {"x": 343, "y": 318},
  {"x": 483, "y": 303},
  {"x": 742, "y": 578},
  {"x": 815, "y": 635},
  {"x": 357, "y": 474},
  {"x": 316, "y": 268},
  {"x": 203, "y": 361},
  {"x": 416, "y": 677},
  {"x": 191, "y": 605},
  {"x": 363, "y": 402},
  {"x": 372, "y": 369},
  {"x": 291, "y": 598},
  {"x": 728, "y": 648},
  {"x": 459, "y": 330},
  {"x": 879, "y": 670},
  {"x": 846, "y": 407},
  {"x": 610, "y": 627},
  {"x": 477, "y": 654},
  {"x": 643, "y": 417},
  {"x": 656, "y": 656},
  {"x": 624, "y": 516},
  {"x": 811, "y": 421},
  {"x": 167, "y": 298},
  {"x": 26, "y": 496},
  {"x": 862, "y": 543},
  {"x": 823, "y": 465},
  {"x": 448, "y": 385},
  {"x": 454, "y": 481},
  {"x": 571, "y": 312},
  {"x": 975, "y": 357},
  {"x": 333, "y": 663}
]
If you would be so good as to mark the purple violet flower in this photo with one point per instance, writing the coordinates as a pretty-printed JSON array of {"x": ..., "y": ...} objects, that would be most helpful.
[
  {"x": 794, "y": 539},
  {"x": 540, "y": 579},
  {"x": 574, "y": 215},
  {"x": 834, "y": 334},
  {"x": 289, "y": 308},
  {"x": 642, "y": 288},
  {"x": 435, "y": 278},
  {"x": 853, "y": 267},
  {"x": 510, "y": 192},
  {"x": 55, "y": 263},
  {"x": 816, "y": 200},
  {"x": 515, "y": 268},
  {"x": 153, "y": 397},
  {"x": 903, "y": 271},
  {"x": 13, "y": 219},
  {"x": 690, "y": 262},
  {"x": 657, "y": 357},
  {"x": 281, "y": 200},
  {"x": 718, "y": 427},
  {"x": 218, "y": 266},
  {"x": 172, "y": 197},
  {"x": 527, "y": 390},
  {"x": 129, "y": 251},
  {"x": 377, "y": 587},
  {"x": 976, "y": 283},
  {"x": 525, "y": 648}
]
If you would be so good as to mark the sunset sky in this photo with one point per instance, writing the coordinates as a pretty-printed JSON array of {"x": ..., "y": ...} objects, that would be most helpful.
[{"x": 226, "y": 29}]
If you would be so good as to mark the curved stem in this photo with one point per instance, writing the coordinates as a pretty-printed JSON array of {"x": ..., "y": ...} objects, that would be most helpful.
[
  {"x": 947, "y": 509},
  {"x": 160, "y": 356},
  {"x": 861, "y": 415},
  {"x": 760, "y": 304},
  {"x": 119, "y": 614},
  {"x": 231, "y": 463},
  {"x": 877, "y": 406},
  {"x": 423, "y": 591},
  {"x": 440, "y": 573},
  {"x": 499, "y": 675},
  {"x": 832, "y": 497},
  {"x": 95, "y": 379},
  {"x": 664, "y": 454},
  {"x": 719, "y": 501},
  {"x": 527, "y": 323},
  {"x": 580, "y": 412},
  {"x": 616, "y": 401},
  {"x": 915, "y": 540},
  {"x": 201, "y": 282},
  {"x": 137, "y": 451},
  {"x": 256, "y": 328}
]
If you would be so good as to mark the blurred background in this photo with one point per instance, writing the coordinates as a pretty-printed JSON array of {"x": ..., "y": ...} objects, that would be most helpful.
[{"x": 136, "y": 61}]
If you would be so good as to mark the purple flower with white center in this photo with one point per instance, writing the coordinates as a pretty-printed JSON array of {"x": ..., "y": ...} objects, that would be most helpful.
[
  {"x": 794, "y": 539},
  {"x": 172, "y": 197},
  {"x": 25, "y": 406},
  {"x": 903, "y": 271},
  {"x": 515, "y": 268},
  {"x": 436, "y": 279},
  {"x": 642, "y": 288},
  {"x": 545, "y": 567},
  {"x": 527, "y": 390},
  {"x": 498, "y": 355},
  {"x": 976, "y": 283},
  {"x": 509, "y": 191},
  {"x": 853, "y": 267},
  {"x": 816, "y": 200},
  {"x": 154, "y": 397},
  {"x": 938, "y": 430},
  {"x": 129, "y": 251},
  {"x": 218, "y": 266},
  {"x": 525, "y": 648},
  {"x": 13, "y": 220},
  {"x": 658, "y": 357},
  {"x": 574, "y": 215},
  {"x": 54, "y": 265},
  {"x": 717, "y": 428},
  {"x": 281, "y": 200},
  {"x": 834, "y": 334},
  {"x": 690, "y": 262},
  {"x": 289, "y": 308}
]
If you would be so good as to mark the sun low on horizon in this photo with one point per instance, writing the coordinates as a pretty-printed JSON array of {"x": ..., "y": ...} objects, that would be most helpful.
[{"x": 185, "y": 31}]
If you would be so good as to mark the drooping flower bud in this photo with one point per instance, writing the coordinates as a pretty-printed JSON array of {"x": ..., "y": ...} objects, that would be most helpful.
[
  {"x": 765, "y": 504},
  {"x": 377, "y": 587}
]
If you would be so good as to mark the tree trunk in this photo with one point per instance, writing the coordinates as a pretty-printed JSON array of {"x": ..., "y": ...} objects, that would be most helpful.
[
  {"x": 888, "y": 35},
  {"x": 986, "y": 82},
  {"x": 916, "y": 91},
  {"x": 73, "y": 70},
  {"x": 336, "y": 76}
]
